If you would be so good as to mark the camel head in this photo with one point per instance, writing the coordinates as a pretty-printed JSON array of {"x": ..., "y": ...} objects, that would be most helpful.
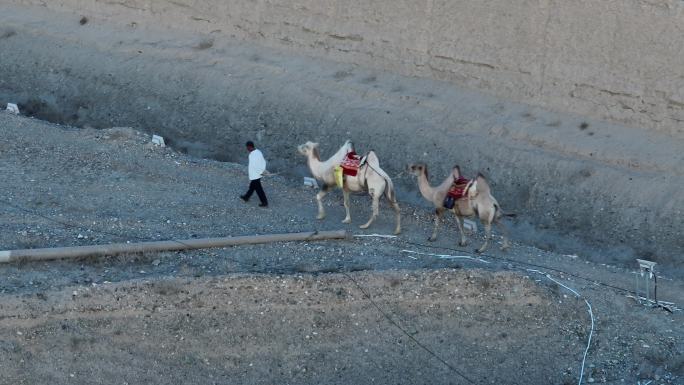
[
  {"x": 309, "y": 149},
  {"x": 418, "y": 169}
]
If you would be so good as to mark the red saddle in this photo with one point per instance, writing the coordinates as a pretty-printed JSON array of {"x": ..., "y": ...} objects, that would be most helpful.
[
  {"x": 351, "y": 163},
  {"x": 458, "y": 188}
]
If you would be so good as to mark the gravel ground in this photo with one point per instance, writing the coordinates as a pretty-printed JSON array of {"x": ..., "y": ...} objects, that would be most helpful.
[{"x": 156, "y": 317}]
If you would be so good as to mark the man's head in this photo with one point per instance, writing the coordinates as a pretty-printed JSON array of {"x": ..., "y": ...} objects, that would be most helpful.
[{"x": 250, "y": 146}]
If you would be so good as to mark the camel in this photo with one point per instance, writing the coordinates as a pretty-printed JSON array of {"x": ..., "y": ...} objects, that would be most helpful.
[
  {"x": 370, "y": 178},
  {"x": 478, "y": 201}
]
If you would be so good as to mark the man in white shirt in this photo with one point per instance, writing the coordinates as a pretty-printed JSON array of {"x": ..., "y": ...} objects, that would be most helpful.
[{"x": 257, "y": 166}]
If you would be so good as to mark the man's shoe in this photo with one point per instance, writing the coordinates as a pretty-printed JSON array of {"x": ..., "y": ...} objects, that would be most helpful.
[
  {"x": 244, "y": 198},
  {"x": 263, "y": 204}
]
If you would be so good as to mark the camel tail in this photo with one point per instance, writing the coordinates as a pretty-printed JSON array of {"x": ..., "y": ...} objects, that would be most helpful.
[
  {"x": 389, "y": 192},
  {"x": 500, "y": 213}
]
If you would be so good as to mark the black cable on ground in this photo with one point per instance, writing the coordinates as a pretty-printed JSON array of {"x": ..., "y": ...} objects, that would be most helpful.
[
  {"x": 395, "y": 324},
  {"x": 66, "y": 224},
  {"x": 104, "y": 232},
  {"x": 358, "y": 285}
]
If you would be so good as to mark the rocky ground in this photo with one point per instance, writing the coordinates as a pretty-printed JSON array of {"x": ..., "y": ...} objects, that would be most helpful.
[{"x": 354, "y": 311}]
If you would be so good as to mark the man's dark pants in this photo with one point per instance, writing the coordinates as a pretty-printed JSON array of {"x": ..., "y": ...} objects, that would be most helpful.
[{"x": 255, "y": 185}]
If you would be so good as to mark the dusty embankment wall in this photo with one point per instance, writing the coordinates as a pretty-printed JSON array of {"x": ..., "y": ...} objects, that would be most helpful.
[
  {"x": 619, "y": 60},
  {"x": 608, "y": 184}
]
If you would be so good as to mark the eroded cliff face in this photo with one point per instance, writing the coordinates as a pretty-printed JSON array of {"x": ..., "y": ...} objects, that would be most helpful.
[{"x": 619, "y": 60}]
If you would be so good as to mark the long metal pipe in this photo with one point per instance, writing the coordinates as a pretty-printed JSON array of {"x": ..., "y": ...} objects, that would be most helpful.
[{"x": 140, "y": 247}]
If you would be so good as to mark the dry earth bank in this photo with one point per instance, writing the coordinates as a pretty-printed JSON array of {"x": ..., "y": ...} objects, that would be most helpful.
[{"x": 615, "y": 59}]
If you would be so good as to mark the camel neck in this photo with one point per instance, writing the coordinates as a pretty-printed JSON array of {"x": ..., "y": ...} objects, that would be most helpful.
[
  {"x": 314, "y": 164},
  {"x": 424, "y": 186}
]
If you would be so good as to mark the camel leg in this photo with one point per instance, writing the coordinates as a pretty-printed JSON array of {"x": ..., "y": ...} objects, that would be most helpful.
[
  {"x": 504, "y": 232},
  {"x": 459, "y": 223},
  {"x": 486, "y": 218},
  {"x": 395, "y": 206},
  {"x": 438, "y": 217},
  {"x": 319, "y": 199},
  {"x": 376, "y": 210},
  {"x": 488, "y": 234},
  {"x": 345, "y": 193}
]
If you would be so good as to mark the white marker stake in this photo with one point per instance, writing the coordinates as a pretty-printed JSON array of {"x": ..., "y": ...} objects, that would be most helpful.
[
  {"x": 470, "y": 225},
  {"x": 311, "y": 182},
  {"x": 158, "y": 140},
  {"x": 13, "y": 108}
]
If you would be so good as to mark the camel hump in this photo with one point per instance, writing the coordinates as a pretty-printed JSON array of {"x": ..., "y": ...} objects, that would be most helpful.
[
  {"x": 456, "y": 171},
  {"x": 349, "y": 145},
  {"x": 482, "y": 185},
  {"x": 372, "y": 159}
]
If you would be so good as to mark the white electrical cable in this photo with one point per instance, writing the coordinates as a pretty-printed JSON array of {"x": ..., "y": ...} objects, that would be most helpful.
[
  {"x": 591, "y": 314},
  {"x": 446, "y": 256},
  {"x": 374, "y": 236},
  {"x": 560, "y": 284}
]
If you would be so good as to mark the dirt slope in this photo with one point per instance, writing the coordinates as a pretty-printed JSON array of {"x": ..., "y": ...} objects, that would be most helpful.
[{"x": 197, "y": 317}]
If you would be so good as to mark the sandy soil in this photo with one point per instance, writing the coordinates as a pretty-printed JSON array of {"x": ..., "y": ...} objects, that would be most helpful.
[{"x": 291, "y": 312}]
